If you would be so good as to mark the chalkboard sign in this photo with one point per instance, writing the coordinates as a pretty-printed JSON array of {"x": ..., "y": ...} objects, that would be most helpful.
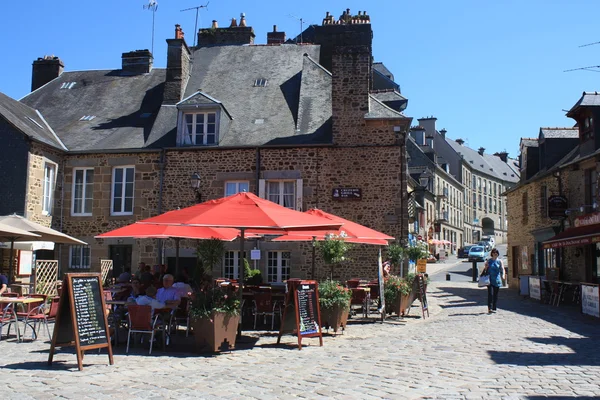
[
  {"x": 302, "y": 301},
  {"x": 81, "y": 319},
  {"x": 423, "y": 294}
]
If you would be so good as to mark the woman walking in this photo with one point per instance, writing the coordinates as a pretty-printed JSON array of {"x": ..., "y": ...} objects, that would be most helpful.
[{"x": 495, "y": 269}]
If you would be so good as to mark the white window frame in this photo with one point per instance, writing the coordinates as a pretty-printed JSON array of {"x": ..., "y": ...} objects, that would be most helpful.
[
  {"x": 80, "y": 251},
  {"x": 236, "y": 263},
  {"x": 237, "y": 187},
  {"x": 189, "y": 139},
  {"x": 279, "y": 276},
  {"x": 124, "y": 182},
  {"x": 84, "y": 192},
  {"x": 49, "y": 183},
  {"x": 298, "y": 187}
]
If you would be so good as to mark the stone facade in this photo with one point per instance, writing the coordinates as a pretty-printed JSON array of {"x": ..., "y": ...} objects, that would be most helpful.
[{"x": 40, "y": 157}]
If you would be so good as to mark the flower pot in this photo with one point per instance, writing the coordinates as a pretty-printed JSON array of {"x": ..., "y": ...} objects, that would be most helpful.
[
  {"x": 401, "y": 306},
  {"x": 217, "y": 333},
  {"x": 334, "y": 317}
]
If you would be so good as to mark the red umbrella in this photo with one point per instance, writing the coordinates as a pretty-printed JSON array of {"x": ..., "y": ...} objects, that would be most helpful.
[
  {"x": 355, "y": 233},
  {"x": 243, "y": 211}
]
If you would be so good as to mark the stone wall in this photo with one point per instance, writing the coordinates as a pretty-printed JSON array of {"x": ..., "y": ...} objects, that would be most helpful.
[{"x": 39, "y": 156}]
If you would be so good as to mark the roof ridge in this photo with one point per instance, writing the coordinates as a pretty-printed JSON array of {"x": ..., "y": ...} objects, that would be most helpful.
[{"x": 317, "y": 64}]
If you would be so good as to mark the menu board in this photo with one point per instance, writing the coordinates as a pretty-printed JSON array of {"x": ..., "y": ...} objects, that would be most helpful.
[
  {"x": 590, "y": 300},
  {"x": 422, "y": 294},
  {"x": 307, "y": 309},
  {"x": 89, "y": 312}
]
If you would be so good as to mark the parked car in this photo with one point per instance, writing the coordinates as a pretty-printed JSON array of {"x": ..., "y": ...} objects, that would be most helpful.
[
  {"x": 478, "y": 253},
  {"x": 463, "y": 252}
]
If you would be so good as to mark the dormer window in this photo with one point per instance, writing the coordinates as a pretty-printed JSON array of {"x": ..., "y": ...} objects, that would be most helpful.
[
  {"x": 588, "y": 128},
  {"x": 199, "y": 129}
]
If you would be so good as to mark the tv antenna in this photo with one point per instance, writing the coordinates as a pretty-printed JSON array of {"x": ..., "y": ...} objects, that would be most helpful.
[
  {"x": 196, "y": 26},
  {"x": 301, "y": 24},
  {"x": 152, "y": 6},
  {"x": 589, "y": 44},
  {"x": 590, "y": 68}
]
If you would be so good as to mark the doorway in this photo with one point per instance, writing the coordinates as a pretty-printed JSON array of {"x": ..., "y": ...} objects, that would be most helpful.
[{"x": 121, "y": 258}]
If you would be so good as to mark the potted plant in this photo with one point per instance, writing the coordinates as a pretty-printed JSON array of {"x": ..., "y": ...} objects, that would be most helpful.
[
  {"x": 333, "y": 249},
  {"x": 210, "y": 254},
  {"x": 416, "y": 252},
  {"x": 396, "y": 254},
  {"x": 334, "y": 301},
  {"x": 214, "y": 314},
  {"x": 252, "y": 277},
  {"x": 397, "y": 294}
]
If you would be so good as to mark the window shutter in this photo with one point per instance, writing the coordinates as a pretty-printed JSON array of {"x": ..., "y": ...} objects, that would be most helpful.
[
  {"x": 299, "y": 192},
  {"x": 261, "y": 189}
]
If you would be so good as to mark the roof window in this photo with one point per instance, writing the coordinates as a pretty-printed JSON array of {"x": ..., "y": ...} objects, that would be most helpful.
[
  {"x": 87, "y": 118},
  {"x": 145, "y": 115},
  {"x": 67, "y": 85},
  {"x": 260, "y": 82},
  {"x": 35, "y": 122}
]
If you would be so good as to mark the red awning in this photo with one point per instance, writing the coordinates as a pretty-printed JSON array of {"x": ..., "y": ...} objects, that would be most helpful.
[{"x": 579, "y": 236}]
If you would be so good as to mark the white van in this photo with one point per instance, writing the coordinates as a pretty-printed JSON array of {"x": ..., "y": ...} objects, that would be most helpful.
[{"x": 489, "y": 239}]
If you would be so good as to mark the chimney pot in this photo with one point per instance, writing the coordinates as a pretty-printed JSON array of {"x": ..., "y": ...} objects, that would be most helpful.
[
  {"x": 243, "y": 20},
  {"x": 481, "y": 150},
  {"x": 233, "y": 23},
  {"x": 178, "y": 32},
  {"x": 274, "y": 28},
  {"x": 215, "y": 25}
]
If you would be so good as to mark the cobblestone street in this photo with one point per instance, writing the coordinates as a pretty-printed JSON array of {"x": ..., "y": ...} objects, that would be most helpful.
[{"x": 527, "y": 350}]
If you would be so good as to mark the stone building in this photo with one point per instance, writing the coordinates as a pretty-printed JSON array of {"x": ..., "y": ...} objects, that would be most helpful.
[
  {"x": 554, "y": 223},
  {"x": 291, "y": 122}
]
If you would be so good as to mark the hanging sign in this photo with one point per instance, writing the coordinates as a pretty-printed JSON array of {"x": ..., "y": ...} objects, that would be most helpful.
[{"x": 557, "y": 205}]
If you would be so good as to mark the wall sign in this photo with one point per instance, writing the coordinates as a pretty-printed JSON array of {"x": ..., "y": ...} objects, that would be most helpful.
[
  {"x": 255, "y": 254},
  {"x": 557, "y": 205},
  {"x": 590, "y": 300},
  {"x": 586, "y": 220},
  {"x": 346, "y": 194}
]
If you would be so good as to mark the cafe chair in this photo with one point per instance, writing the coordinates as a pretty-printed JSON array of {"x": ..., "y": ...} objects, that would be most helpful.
[
  {"x": 360, "y": 297},
  {"x": 182, "y": 314},
  {"x": 353, "y": 283},
  {"x": 265, "y": 306},
  {"x": 7, "y": 317},
  {"x": 142, "y": 321}
]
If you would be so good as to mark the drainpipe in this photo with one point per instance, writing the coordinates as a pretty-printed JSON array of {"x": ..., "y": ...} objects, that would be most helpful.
[
  {"x": 62, "y": 208},
  {"x": 161, "y": 176},
  {"x": 257, "y": 169}
]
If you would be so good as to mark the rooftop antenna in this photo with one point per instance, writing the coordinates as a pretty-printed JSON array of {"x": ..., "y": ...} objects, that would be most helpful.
[
  {"x": 196, "y": 26},
  {"x": 584, "y": 69},
  {"x": 301, "y": 24},
  {"x": 589, "y": 44},
  {"x": 152, "y": 6}
]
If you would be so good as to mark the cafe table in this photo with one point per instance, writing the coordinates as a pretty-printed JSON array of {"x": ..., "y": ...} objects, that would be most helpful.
[{"x": 9, "y": 305}]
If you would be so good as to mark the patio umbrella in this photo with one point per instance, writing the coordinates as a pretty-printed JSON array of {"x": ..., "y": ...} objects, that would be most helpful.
[
  {"x": 243, "y": 211},
  {"x": 177, "y": 232},
  {"x": 355, "y": 233},
  {"x": 43, "y": 234}
]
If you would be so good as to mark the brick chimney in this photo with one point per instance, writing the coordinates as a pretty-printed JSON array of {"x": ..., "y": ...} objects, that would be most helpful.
[
  {"x": 137, "y": 62},
  {"x": 44, "y": 70},
  {"x": 503, "y": 155},
  {"x": 460, "y": 141},
  {"x": 443, "y": 133},
  {"x": 275, "y": 37},
  {"x": 481, "y": 150},
  {"x": 429, "y": 124},
  {"x": 178, "y": 67},
  {"x": 234, "y": 35}
]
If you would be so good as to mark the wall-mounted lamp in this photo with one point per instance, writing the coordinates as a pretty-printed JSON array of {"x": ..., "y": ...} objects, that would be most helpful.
[
  {"x": 593, "y": 206},
  {"x": 195, "y": 184}
]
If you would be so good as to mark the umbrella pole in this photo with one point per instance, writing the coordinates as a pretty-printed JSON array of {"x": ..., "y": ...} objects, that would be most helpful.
[
  {"x": 11, "y": 262},
  {"x": 314, "y": 245},
  {"x": 241, "y": 273},
  {"x": 176, "y": 256}
]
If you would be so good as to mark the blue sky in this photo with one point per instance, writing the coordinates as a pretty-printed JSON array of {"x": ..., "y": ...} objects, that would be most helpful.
[{"x": 490, "y": 71}]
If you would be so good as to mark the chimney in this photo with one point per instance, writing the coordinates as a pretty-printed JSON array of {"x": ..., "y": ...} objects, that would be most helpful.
[
  {"x": 503, "y": 155},
  {"x": 275, "y": 37},
  {"x": 178, "y": 67},
  {"x": 429, "y": 124},
  {"x": 137, "y": 62},
  {"x": 481, "y": 151},
  {"x": 44, "y": 70},
  {"x": 443, "y": 133},
  {"x": 418, "y": 133},
  {"x": 460, "y": 141},
  {"x": 233, "y": 35},
  {"x": 215, "y": 24}
]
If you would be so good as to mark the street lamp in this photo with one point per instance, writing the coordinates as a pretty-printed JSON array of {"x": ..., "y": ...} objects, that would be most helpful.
[{"x": 195, "y": 184}]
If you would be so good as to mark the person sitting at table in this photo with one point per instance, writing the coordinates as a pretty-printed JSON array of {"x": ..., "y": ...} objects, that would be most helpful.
[
  {"x": 140, "y": 270},
  {"x": 185, "y": 290},
  {"x": 136, "y": 290},
  {"x": 168, "y": 294},
  {"x": 3, "y": 284},
  {"x": 149, "y": 299}
]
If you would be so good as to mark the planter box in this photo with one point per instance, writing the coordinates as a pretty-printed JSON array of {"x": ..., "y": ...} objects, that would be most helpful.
[
  {"x": 216, "y": 334},
  {"x": 334, "y": 318}
]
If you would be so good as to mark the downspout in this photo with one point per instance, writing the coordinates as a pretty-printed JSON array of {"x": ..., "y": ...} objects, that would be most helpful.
[
  {"x": 62, "y": 208},
  {"x": 257, "y": 169},
  {"x": 161, "y": 175}
]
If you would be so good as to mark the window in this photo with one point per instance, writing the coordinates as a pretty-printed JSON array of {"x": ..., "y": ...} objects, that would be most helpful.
[
  {"x": 200, "y": 129},
  {"x": 282, "y": 193},
  {"x": 79, "y": 257},
  {"x": 231, "y": 264},
  {"x": 479, "y": 184},
  {"x": 278, "y": 266},
  {"x": 83, "y": 189},
  {"x": 495, "y": 186},
  {"x": 233, "y": 187},
  {"x": 122, "y": 193},
  {"x": 49, "y": 181},
  {"x": 484, "y": 187},
  {"x": 474, "y": 200},
  {"x": 260, "y": 82},
  {"x": 479, "y": 203},
  {"x": 495, "y": 207}
]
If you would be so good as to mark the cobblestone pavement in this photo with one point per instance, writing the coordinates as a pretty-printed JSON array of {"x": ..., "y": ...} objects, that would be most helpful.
[{"x": 525, "y": 351}]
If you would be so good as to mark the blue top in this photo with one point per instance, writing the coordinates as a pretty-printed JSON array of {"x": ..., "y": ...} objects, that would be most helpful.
[{"x": 495, "y": 272}]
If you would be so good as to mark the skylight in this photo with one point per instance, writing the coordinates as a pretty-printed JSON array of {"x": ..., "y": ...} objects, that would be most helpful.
[
  {"x": 67, "y": 85},
  {"x": 261, "y": 82},
  {"x": 87, "y": 118},
  {"x": 35, "y": 122}
]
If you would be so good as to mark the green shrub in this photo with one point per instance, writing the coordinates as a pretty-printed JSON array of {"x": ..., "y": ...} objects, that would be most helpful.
[
  {"x": 251, "y": 276},
  {"x": 394, "y": 287},
  {"x": 215, "y": 299},
  {"x": 332, "y": 293}
]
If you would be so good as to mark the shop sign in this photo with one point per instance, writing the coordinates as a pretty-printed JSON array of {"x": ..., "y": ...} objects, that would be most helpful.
[
  {"x": 422, "y": 266},
  {"x": 557, "y": 205},
  {"x": 586, "y": 220},
  {"x": 590, "y": 300},
  {"x": 346, "y": 194},
  {"x": 535, "y": 289}
]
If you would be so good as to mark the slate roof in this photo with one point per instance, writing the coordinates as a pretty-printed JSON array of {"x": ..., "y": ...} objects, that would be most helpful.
[
  {"x": 123, "y": 106},
  {"x": 378, "y": 110},
  {"x": 558, "y": 133},
  {"x": 29, "y": 121},
  {"x": 528, "y": 142},
  {"x": 379, "y": 67},
  {"x": 487, "y": 164},
  {"x": 590, "y": 99}
]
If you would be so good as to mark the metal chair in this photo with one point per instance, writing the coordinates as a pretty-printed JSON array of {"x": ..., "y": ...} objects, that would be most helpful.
[
  {"x": 264, "y": 305},
  {"x": 142, "y": 321},
  {"x": 182, "y": 314},
  {"x": 360, "y": 297}
]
